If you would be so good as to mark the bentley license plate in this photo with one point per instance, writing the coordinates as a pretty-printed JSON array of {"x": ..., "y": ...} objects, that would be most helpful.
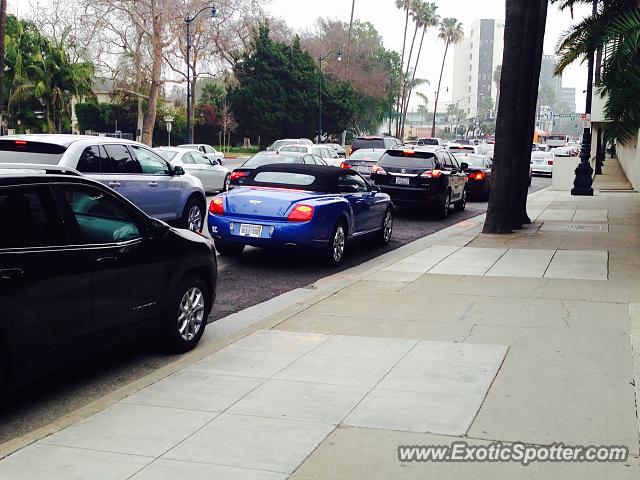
[{"x": 249, "y": 230}]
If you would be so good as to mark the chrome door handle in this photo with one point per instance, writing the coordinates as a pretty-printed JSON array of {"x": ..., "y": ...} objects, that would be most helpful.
[
  {"x": 114, "y": 184},
  {"x": 153, "y": 184},
  {"x": 104, "y": 260},
  {"x": 11, "y": 273}
]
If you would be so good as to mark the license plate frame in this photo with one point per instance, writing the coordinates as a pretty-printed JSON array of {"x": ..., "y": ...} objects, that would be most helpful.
[
  {"x": 250, "y": 230},
  {"x": 405, "y": 181},
  {"x": 363, "y": 169}
]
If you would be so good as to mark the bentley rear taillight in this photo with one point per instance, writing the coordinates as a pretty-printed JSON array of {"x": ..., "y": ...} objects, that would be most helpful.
[
  {"x": 301, "y": 213},
  {"x": 217, "y": 206}
]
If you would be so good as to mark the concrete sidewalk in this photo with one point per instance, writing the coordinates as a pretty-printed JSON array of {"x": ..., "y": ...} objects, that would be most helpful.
[{"x": 532, "y": 337}]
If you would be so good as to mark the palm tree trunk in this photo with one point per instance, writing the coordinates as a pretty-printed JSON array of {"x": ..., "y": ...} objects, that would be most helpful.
[
  {"x": 3, "y": 29},
  {"x": 498, "y": 212},
  {"x": 404, "y": 85},
  {"x": 404, "y": 45},
  {"x": 435, "y": 107},
  {"x": 413, "y": 78}
]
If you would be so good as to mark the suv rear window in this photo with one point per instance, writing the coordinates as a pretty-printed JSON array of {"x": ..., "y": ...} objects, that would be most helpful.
[
  {"x": 24, "y": 151},
  {"x": 428, "y": 141},
  {"x": 410, "y": 159},
  {"x": 368, "y": 143}
]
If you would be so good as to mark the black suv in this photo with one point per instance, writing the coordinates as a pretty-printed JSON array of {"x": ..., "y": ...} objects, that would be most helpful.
[
  {"x": 419, "y": 176},
  {"x": 373, "y": 142},
  {"x": 82, "y": 269}
]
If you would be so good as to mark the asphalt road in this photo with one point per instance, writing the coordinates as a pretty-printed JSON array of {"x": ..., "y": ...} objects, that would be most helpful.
[{"x": 256, "y": 276}]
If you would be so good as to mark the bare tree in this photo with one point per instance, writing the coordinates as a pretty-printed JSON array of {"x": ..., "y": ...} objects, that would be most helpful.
[{"x": 227, "y": 122}]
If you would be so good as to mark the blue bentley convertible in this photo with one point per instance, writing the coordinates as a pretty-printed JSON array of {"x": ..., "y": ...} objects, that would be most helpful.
[{"x": 314, "y": 206}]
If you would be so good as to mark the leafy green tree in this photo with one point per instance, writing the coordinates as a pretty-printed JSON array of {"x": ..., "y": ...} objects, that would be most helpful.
[{"x": 276, "y": 95}]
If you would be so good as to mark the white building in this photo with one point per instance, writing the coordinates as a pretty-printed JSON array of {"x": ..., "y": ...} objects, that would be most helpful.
[{"x": 475, "y": 60}]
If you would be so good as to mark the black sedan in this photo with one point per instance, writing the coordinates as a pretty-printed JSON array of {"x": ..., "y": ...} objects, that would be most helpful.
[
  {"x": 363, "y": 160},
  {"x": 83, "y": 269},
  {"x": 478, "y": 173}
]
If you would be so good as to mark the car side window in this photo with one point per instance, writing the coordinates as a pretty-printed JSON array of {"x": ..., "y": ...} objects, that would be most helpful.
[
  {"x": 151, "y": 163},
  {"x": 200, "y": 159},
  {"x": 89, "y": 161},
  {"x": 320, "y": 161},
  {"x": 100, "y": 217},
  {"x": 446, "y": 161},
  {"x": 208, "y": 149},
  {"x": 119, "y": 160},
  {"x": 308, "y": 160},
  {"x": 187, "y": 159},
  {"x": 453, "y": 160},
  {"x": 29, "y": 218},
  {"x": 351, "y": 183}
]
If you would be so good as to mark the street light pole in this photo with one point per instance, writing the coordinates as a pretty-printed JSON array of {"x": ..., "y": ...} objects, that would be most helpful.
[
  {"x": 187, "y": 22},
  {"x": 321, "y": 58},
  {"x": 582, "y": 184}
]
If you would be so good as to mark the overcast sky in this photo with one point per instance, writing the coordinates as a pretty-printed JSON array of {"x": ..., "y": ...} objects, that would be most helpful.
[{"x": 302, "y": 14}]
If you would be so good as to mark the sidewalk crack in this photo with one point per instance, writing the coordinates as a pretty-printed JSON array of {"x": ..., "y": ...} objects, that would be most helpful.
[
  {"x": 567, "y": 315},
  {"x": 468, "y": 334}
]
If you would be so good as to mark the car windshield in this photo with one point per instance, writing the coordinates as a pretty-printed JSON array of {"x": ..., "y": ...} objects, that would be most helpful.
[
  {"x": 366, "y": 154},
  {"x": 408, "y": 159},
  {"x": 285, "y": 178},
  {"x": 167, "y": 154},
  {"x": 23, "y": 151},
  {"x": 367, "y": 143},
  {"x": 471, "y": 160},
  {"x": 261, "y": 159},
  {"x": 294, "y": 148}
]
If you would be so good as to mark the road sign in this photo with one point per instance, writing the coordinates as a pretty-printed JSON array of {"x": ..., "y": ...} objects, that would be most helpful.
[{"x": 572, "y": 116}]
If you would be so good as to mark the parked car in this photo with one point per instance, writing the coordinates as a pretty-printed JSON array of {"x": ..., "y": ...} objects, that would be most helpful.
[
  {"x": 369, "y": 141},
  {"x": 214, "y": 177},
  {"x": 434, "y": 179},
  {"x": 325, "y": 152},
  {"x": 363, "y": 160},
  {"x": 339, "y": 149},
  {"x": 542, "y": 163},
  {"x": 240, "y": 174},
  {"x": 275, "y": 146},
  {"x": 562, "y": 151},
  {"x": 132, "y": 169},
  {"x": 478, "y": 173},
  {"x": 210, "y": 152},
  {"x": 318, "y": 207},
  {"x": 82, "y": 269},
  {"x": 456, "y": 147}
]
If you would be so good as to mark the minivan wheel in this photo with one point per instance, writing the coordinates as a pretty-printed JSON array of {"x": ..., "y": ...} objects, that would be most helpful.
[
  {"x": 386, "y": 231},
  {"x": 444, "y": 206},
  {"x": 462, "y": 203},
  {"x": 193, "y": 215},
  {"x": 334, "y": 253},
  {"x": 187, "y": 316},
  {"x": 229, "y": 249}
]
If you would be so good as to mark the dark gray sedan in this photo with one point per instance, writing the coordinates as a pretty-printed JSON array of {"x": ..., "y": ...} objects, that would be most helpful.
[{"x": 363, "y": 160}]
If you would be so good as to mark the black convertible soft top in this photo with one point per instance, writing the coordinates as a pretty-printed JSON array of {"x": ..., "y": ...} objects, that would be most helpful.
[{"x": 325, "y": 177}]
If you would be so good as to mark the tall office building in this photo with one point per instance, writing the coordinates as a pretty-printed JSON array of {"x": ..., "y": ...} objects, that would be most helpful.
[
  {"x": 548, "y": 78},
  {"x": 475, "y": 60}
]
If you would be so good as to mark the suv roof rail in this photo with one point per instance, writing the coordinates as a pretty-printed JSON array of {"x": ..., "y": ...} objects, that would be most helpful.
[{"x": 40, "y": 168}]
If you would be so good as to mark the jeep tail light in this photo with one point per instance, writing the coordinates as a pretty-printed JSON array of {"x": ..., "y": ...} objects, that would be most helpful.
[
  {"x": 377, "y": 170},
  {"x": 301, "y": 213},
  {"x": 477, "y": 176},
  {"x": 432, "y": 174},
  {"x": 235, "y": 175},
  {"x": 216, "y": 207}
]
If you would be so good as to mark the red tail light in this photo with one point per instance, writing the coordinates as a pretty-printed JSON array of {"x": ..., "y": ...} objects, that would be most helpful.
[
  {"x": 21, "y": 142},
  {"x": 301, "y": 213},
  {"x": 345, "y": 165},
  {"x": 235, "y": 175},
  {"x": 432, "y": 174},
  {"x": 549, "y": 162},
  {"x": 376, "y": 170},
  {"x": 477, "y": 176},
  {"x": 216, "y": 207}
]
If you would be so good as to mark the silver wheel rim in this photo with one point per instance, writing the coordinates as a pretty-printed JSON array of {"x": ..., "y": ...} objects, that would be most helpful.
[
  {"x": 447, "y": 201},
  {"x": 464, "y": 198},
  {"x": 191, "y": 314},
  {"x": 338, "y": 244},
  {"x": 195, "y": 218},
  {"x": 388, "y": 226}
]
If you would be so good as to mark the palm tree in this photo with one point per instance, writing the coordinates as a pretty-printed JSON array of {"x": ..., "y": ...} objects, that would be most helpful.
[
  {"x": 425, "y": 17},
  {"x": 451, "y": 32},
  {"x": 615, "y": 27},
  {"x": 423, "y": 108},
  {"x": 406, "y": 6},
  {"x": 3, "y": 30},
  {"x": 414, "y": 9}
]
